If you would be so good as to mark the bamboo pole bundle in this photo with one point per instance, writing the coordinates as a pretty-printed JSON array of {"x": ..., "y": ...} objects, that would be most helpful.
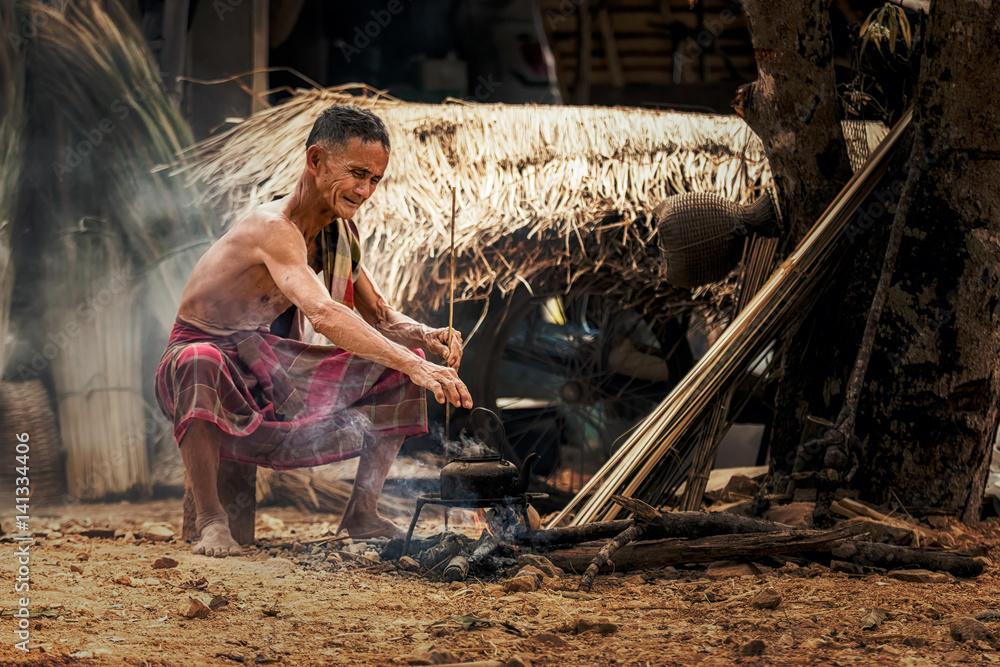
[
  {"x": 757, "y": 265},
  {"x": 12, "y": 121},
  {"x": 784, "y": 295},
  {"x": 98, "y": 370}
]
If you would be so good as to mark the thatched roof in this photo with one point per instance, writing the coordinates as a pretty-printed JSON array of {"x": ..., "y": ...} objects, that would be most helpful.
[{"x": 546, "y": 194}]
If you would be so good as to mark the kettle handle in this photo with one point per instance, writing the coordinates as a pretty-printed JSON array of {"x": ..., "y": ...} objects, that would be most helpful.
[{"x": 485, "y": 425}]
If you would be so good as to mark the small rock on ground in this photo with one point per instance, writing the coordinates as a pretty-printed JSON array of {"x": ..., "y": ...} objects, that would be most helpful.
[
  {"x": 969, "y": 630},
  {"x": 767, "y": 599},
  {"x": 922, "y": 576}
]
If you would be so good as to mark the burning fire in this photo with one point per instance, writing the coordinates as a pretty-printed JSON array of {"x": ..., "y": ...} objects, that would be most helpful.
[{"x": 481, "y": 523}]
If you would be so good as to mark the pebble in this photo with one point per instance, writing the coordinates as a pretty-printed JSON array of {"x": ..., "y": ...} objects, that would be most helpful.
[
  {"x": 196, "y": 609},
  {"x": 967, "y": 629},
  {"x": 521, "y": 584},
  {"x": 164, "y": 563},
  {"x": 542, "y": 563},
  {"x": 922, "y": 576},
  {"x": 753, "y": 647},
  {"x": 408, "y": 564},
  {"x": 766, "y": 599},
  {"x": 158, "y": 533}
]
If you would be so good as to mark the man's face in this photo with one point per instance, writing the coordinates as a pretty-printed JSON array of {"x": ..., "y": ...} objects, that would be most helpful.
[{"x": 347, "y": 177}]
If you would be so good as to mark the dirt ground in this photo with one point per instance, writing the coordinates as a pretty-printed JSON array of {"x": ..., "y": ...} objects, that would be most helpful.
[{"x": 102, "y": 601}]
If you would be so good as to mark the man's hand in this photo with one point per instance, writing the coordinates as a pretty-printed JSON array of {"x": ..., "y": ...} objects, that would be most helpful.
[
  {"x": 436, "y": 341},
  {"x": 443, "y": 382}
]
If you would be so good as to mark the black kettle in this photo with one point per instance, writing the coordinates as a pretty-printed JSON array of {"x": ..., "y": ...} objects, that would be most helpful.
[{"x": 485, "y": 477}]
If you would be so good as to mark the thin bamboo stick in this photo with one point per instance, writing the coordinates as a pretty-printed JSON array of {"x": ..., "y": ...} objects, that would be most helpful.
[{"x": 451, "y": 306}]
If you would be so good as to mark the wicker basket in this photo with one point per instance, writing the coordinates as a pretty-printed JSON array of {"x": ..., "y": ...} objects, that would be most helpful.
[
  {"x": 25, "y": 408},
  {"x": 701, "y": 234}
]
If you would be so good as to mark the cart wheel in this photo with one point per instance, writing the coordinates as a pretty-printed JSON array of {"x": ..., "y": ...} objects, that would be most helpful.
[{"x": 571, "y": 375}]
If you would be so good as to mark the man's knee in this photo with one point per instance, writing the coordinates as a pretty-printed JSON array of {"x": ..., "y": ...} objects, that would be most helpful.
[{"x": 199, "y": 352}]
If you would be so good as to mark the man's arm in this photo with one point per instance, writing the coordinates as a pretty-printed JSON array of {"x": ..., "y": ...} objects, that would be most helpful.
[
  {"x": 399, "y": 328},
  {"x": 284, "y": 255}
]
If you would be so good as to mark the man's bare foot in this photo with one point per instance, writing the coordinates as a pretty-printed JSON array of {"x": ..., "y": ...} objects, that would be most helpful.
[
  {"x": 217, "y": 541},
  {"x": 362, "y": 527}
]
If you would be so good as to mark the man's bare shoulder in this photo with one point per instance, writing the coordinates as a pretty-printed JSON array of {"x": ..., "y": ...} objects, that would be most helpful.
[{"x": 263, "y": 226}]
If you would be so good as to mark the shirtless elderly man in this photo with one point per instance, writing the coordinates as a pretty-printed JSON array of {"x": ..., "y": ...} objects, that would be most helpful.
[{"x": 237, "y": 391}]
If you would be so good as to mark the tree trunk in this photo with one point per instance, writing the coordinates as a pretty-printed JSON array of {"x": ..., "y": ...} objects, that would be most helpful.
[
  {"x": 929, "y": 411},
  {"x": 794, "y": 108}
]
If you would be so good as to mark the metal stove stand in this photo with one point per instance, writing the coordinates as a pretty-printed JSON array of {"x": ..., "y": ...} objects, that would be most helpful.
[{"x": 521, "y": 500}]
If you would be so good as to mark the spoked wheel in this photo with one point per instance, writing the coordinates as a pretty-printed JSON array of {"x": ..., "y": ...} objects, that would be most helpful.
[{"x": 570, "y": 375}]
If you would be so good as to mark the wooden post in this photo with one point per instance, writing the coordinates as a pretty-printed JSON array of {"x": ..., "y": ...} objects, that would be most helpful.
[{"x": 237, "y": 486}]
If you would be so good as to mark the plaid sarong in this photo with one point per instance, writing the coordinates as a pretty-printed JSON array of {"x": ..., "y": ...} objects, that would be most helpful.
[{"x": 289, "y": 404}]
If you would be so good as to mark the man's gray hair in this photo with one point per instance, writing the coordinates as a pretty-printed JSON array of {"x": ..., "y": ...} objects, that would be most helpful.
[{"x": 341, "y": 122}]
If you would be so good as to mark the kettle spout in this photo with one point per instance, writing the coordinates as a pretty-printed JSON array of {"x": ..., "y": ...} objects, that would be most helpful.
[{"x": 525, "y": 475}]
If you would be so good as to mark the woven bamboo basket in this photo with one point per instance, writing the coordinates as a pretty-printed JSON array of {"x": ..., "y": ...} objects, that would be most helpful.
[{"x": 25, "y": 408}]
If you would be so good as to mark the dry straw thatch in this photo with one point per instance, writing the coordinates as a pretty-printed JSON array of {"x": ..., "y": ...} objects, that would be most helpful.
[{"x": 547, "y": 195}]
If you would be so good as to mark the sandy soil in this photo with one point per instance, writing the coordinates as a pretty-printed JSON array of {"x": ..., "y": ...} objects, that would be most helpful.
[{"x": 101, "y": 601}]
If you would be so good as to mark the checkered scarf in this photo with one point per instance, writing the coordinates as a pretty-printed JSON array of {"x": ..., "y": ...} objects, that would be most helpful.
[{"x": 340, "y": 246}]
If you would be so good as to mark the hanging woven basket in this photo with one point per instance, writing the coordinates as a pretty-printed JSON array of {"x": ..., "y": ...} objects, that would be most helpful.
[{"x": 701, "y": 234}]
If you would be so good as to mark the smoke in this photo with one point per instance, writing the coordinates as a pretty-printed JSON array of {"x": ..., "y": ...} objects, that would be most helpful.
[{"x": 466, "y": 446}]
